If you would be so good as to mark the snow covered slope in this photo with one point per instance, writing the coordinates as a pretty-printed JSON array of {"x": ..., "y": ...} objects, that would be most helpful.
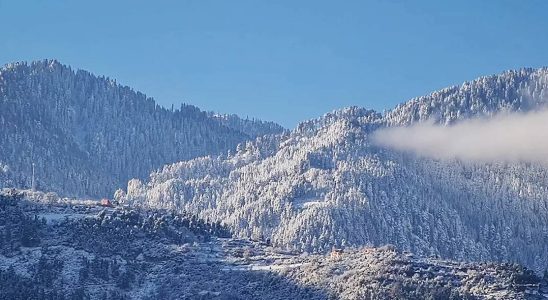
[
  {"x": 116, "y": 253},
  {"x": 324, "y": 184},
  {"x": 88, "y": 135}
]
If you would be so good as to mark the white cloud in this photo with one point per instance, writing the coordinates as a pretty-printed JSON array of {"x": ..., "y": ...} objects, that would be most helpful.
[{"x": 504, "y": 138}]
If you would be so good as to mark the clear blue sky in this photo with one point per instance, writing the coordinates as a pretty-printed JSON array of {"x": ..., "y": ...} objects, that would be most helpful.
[{"x": 284, "y": 61}]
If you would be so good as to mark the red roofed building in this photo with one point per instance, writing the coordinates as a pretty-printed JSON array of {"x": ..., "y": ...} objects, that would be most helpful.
[{"x": 106, "y": 202}]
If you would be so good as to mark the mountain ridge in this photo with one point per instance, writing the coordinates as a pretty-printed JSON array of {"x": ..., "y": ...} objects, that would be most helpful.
[
  {"x": 87, "y": 135},
  {"x": 325, "y": 185}
]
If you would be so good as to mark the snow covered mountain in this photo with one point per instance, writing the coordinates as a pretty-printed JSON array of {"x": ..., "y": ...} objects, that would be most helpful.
[
  {"x": 326, "y": 185},
  {"x": 88, "y": 135}
]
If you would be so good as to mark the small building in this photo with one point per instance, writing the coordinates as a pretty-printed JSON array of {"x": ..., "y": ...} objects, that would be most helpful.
[
  {"x": 336, "y": 253},
  {"x": 106, "y": 202}
]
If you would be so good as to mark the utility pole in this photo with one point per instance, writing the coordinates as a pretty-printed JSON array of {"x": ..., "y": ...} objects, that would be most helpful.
[{"x": 33, "y": 184}]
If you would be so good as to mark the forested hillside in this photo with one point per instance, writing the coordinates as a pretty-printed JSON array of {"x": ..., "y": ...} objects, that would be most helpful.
[
  {"x": 251, "y": 127},
  {"x": 88, "y": 135},
  {"x": 325, "y": 184},
  {"x": 52, "y": 248}
]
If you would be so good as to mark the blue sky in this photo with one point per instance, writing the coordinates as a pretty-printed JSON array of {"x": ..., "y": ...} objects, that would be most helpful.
[{"x": 284, "y": 61}]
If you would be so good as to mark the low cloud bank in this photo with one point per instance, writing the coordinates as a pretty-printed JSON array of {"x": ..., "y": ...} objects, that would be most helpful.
[{"x": 515, "y": 137}]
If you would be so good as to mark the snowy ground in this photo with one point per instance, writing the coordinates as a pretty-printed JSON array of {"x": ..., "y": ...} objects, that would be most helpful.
[
  {"x": 307, "y": 202},
  {"x": 53, "y": 217}
]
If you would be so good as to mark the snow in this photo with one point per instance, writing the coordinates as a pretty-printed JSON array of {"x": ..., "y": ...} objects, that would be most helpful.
[
  {"x": 308, "y": 202},
  {"x": 52, "y": 218},
  {"x": 103, "y": 128},
  {"x": 325, "y": 185},
  {"x": 258, "y": 267}
]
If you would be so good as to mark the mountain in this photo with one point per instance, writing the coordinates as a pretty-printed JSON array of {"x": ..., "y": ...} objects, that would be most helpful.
[
  {"x": 252, "y": 128},
  {"x": 88, "y": 135},
  {"x": 326, "y": 185},
  {"x": 52, "y": 248}
]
